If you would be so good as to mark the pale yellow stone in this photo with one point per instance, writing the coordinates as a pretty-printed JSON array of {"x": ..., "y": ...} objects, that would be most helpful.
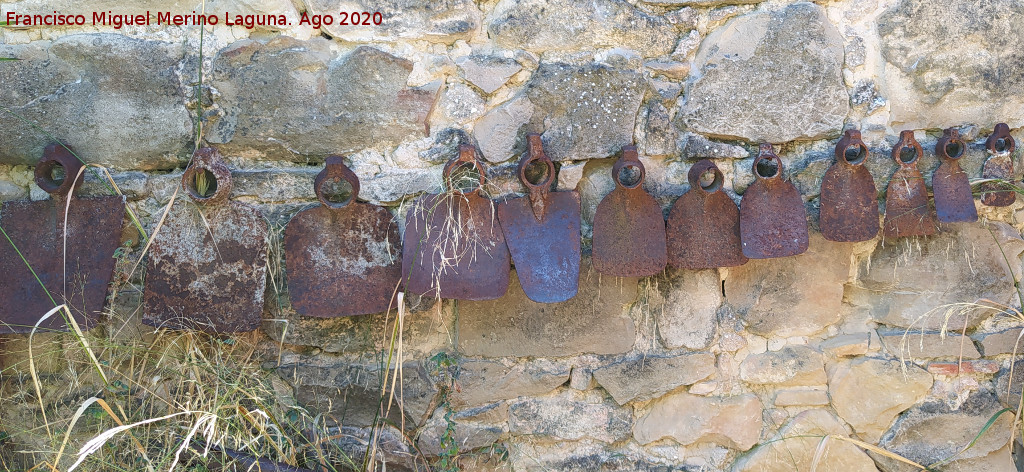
[
  {"x": 734, "y": 422},
  {"x": 870, "y": 393},
  {"x": 795, "y": 446},
  {"x": 799, "y": 397},
  {"x": 846, "y": 345}
]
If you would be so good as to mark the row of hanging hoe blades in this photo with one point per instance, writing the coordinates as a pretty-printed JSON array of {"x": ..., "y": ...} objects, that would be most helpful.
[{"x": 207, "y": 265}]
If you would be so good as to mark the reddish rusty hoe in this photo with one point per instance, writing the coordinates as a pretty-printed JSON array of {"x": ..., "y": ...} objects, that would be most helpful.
[
  {"x": 954, "y": 202},
  {"x": 78, "y": 277},
  {"x": 773, "y": 222},
  {"x": 1000, "y": 146},
  {"x": 207, "y": 266},
  {"x": 907, "y": 212},
  {"x": 342, "y": 257},
  {"x": 849, "y": 201},
  {"x": 453, "y": 245},
  {"x": 703, "y": 228},
  {"x": 629, "y": 229}
]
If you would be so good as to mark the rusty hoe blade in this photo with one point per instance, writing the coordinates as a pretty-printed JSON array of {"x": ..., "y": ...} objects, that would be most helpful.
[
  {"x": 773, "y": 221},
  {"x": 542, "y": 230},
  {"x": 92, "y": 234},
  {"x": 953, "y": 200},
  {"x": 999, "y": 166},
  {"x": 207, "y": 266},
  {"x": 629, "y": 229},
  {"x": 453, "y": 245},
  {"x": 342, "y": 256},
  {"x": 906, "y": 199},
  {"x": 849, "y": 201},
  {"x": 703, "y": 229}
]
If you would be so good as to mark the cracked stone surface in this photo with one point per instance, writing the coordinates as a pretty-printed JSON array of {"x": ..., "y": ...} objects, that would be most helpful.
[
  {"x": 99, "y": 93},
  {"x": 952, "y": 62},
  {"x": 781, "y": 67}
]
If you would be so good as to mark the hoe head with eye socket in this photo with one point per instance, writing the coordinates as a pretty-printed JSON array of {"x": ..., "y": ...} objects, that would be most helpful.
[
  {"x": 463, "y": 174},
  {"x": 907, "y": 150},
  {"x": 628, "y": 172},
  {"x": 1001, "y": 141},
  {"x": 706, "y": 176},
  {"x": 767, "y": 165},
  {"x": 537, "y": 172},
  {"x": 950, "y": 146},
  {"x": 207, "y": 180},
  {"x": 851, "y": 149},
  {"x": 336, "y": 186},
  {"x": 58, "y": 171}
]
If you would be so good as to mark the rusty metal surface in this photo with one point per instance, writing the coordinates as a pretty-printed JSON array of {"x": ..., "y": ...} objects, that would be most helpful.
[
  {"x": 954, "y": 202},
  {"x": 849, "y": 201},
  {"x": 629, "y": 229},
  {"x": 542, "y": 231},
  {"x": 342, "y": 258},
  {"x": 773, "y": 221},
  {"x": 907, "y": 212},
  {"x": 208, "y": 264},
  {"x": 453, "y": 245},
  {"x": 1000, "y": 146},
  {"x": 703, "y": 228},
  {"x": 93, "y": 231}
]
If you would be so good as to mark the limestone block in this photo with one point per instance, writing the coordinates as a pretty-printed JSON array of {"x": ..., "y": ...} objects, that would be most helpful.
[
  {"x": 594, "y": 321},
  {"x": 791, "y": 365},
  {"x": 928, "y": 345},
  {"x": 293, "y": 100},
  {"x": 931, "y": 432},
  {"x": 571, "y": 415},
  {"x": 797, "y": 443},
  {"x": 791, "y": 296},
  {"x": 734, "y": 422},
  {"x": 116, "y": 101},
  {"x": 687, "y": 317},
  {"x": 485, "y": 381},
  {"x": 565, "y": 25},
  {"x": 782, "y": 67},
  {"x": 869, "y": 393},
  {"x": 435, "y": 21},
  {"x": 917, "y": 284},
  {"x": 944, "y": 69},
  {"x": 648, "y": 377}
]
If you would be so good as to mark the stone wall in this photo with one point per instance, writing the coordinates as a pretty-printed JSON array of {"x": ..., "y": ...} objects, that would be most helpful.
[{"x": 687, "y": 370}]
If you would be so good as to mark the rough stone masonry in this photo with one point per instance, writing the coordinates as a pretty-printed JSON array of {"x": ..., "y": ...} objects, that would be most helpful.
[{"x": 688, "y": 370}]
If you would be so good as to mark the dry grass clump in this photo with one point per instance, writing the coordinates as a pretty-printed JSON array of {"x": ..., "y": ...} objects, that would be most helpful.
[{"x": 171, "y": 399}]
